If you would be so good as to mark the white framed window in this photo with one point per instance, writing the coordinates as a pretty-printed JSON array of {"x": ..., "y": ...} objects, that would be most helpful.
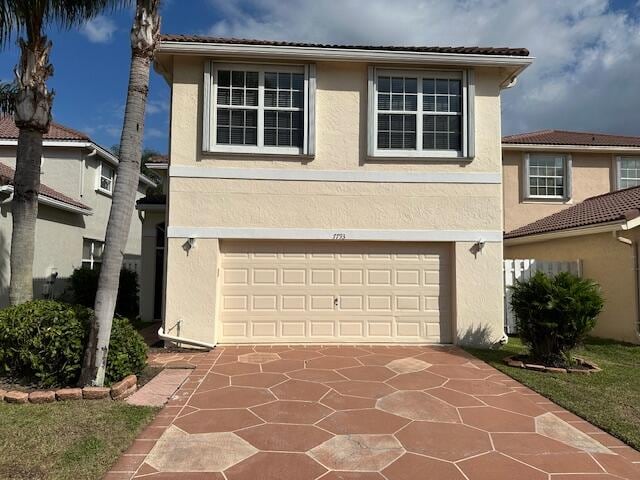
[
  {"x": 106, "y": 179},
  {"x": 547, "y": 176},
  {"x": 628, "y": 172},
  {"x": 92, "y": 251},
  {"x": 420, "y": 113},
  {"x": 259, "y": 108}
]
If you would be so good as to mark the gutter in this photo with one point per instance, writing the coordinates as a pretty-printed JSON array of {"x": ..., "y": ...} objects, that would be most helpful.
[
  {"x": 568, "y": 148},
  {"x": 52, "y": 202},
  {"x": 171, "y": 338},
  {"x": 573, "y": 232}
]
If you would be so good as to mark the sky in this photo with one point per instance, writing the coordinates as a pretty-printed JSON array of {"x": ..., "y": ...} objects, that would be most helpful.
[{"x": 586, "y": 75}]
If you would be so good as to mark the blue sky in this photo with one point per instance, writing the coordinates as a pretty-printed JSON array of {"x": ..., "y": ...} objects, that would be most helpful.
[{"x": 585, "y": 76}]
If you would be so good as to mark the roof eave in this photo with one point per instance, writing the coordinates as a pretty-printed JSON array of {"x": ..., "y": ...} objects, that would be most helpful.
[
  {"x": 339, "y": 54},
  {"x": 612, "y": 226},
  {"x": 151, "y": 207},
  {"x": 569, "y": 148},
  {"x": 52, "y": 202}
]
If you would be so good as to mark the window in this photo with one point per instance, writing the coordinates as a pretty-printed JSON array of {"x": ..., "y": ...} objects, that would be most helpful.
[
  {"x": 92, "y": 253},
  {"x": 547, "y": 176},
  {"x": 260, "y": 109},
  {"x": 628, "y": 172},
  {"x": 107, "y": 176},
  {"x": 420, "y": 113}
]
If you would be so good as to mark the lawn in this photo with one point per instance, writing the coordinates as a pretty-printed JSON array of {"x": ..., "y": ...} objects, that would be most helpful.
[
  {"x": 609, "y": 399},
  {"x": 63, "y": 440}
]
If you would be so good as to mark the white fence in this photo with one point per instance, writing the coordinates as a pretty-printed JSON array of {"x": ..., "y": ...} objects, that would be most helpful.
[{"x": 523, "y": 269}]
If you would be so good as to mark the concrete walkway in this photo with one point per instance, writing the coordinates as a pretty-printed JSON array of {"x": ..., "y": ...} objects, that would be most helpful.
[{"x": 364, "y": 413}]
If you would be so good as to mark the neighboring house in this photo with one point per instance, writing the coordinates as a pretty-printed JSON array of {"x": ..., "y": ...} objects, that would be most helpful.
[
  {"x": 77, "y": 183},
  {"x": 602, "y": 232},
  {"x": 324, "y": 193},
  {"x": 548, "y": 171}
]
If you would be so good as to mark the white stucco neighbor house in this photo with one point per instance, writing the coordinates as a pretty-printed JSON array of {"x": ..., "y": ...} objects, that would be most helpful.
[
  {"x": 77, "y": 182},
  {"x": 332, "y": 193}
]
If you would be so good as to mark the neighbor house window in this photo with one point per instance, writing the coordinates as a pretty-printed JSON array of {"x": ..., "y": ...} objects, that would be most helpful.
[
  {"x": 628, "y": 172},
  {"x": 420, "y": 113},
  {"x": 107, "y": 177},
  {"x": 547, "y": 176},
  {"x": 260, "y": 109},
  {"x": 92, "y": 253}
]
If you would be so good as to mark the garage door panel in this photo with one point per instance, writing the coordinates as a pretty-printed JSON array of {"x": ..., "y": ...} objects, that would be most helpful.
[{"x": 333, "y": 291}]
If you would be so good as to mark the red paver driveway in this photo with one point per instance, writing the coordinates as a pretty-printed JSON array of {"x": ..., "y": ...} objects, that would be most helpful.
[{"x": 364, "y": 413}]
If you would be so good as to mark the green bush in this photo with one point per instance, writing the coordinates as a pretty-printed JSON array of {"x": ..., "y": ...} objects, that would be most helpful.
[
  {"x": 554, "y": 314},
  {"x": 84, "y": 285},
  {"x": 44, "y": 340}
]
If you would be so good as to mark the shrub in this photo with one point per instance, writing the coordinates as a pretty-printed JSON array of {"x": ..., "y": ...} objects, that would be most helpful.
[
  {"x": 44, "y": 340},
  {"x": 554, "y": 314},
  {"x": 84, "y": 285}
]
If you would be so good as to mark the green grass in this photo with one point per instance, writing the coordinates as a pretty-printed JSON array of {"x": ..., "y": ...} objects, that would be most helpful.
[
  {"x": 64, "y": 440},
  {"x": 609, "y": 399}
]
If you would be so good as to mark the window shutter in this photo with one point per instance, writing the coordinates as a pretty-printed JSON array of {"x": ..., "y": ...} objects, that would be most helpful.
[
  {"x": 470, "y": 112},
  {"x": 310, "y": 109},
  {"x": 526, "y": 192},
  {"x": 568, "y": 162},
  {"x": 371, "y": 98},
  {"x": 207, "y": 87}
]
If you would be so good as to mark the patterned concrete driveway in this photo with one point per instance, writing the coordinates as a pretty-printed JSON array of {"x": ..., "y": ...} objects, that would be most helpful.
[{"x": 364, "y": 413}]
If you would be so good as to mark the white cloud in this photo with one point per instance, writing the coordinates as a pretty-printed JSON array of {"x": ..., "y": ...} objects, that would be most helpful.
[
  {"x": 157, "y": 106},
  {"x": 152, "y": 132},
  {"x": 587, "y": 64},
  {"x": 99, "y": 29}
]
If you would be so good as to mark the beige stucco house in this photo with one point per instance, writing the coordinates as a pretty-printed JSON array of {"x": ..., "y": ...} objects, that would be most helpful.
[
  {"x": 602, "y": 231},
  {"x": 77, "y": 182},
  {"x": 322, "y": 193},
  {"x": 548, "y": 171}
]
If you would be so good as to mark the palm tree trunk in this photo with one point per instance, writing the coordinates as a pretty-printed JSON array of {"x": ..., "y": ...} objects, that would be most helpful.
[
  {"x": 32, "y": 117},
  {"x": 143, "y": 41}
]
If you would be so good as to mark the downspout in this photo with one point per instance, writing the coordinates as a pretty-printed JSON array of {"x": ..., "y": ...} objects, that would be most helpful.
[
  {"x": 82, "y": 169},
  {"x": 636, "y": 272},
  {"x": 171, "y": 338}
]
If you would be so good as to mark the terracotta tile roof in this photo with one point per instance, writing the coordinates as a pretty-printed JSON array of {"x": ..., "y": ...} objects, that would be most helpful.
[
  {"x": 563, "y": 137},
  {"x": 513, "y": 52},
  {"x": 6, "y": 178},
  {"x": 8, "y": 129},
  {"x": 158, "y": 159},
  {"x": 153, "y": 199},
  {"x": 619, "y": 205}
]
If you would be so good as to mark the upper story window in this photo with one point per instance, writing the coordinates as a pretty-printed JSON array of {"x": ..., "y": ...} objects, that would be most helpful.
[
  {"x": 107, "y": 177},
  {"x": 259, "y": 108},
  {"x": 92, "y": 251},
  {"x": 419, "y": 114},
  {"x": 628, "y": 169},
  {"x": 547, "y": 176}
]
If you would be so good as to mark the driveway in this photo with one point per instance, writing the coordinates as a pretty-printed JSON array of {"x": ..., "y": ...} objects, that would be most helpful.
[{"x": 364, "y": 413}]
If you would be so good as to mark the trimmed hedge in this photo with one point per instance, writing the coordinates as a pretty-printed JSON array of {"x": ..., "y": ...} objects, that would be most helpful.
[{"x": 44, "y": 341}]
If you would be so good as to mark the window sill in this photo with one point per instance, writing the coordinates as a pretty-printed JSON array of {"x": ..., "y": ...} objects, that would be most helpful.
[
  {"x": 418, "y": 158},
  {"x": 104, "y": 192},
  {"x": 259, "y": 153},
  {"x": 548, "y": 201}
]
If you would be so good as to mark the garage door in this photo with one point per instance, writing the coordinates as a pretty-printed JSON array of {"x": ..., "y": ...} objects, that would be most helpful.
[{"x": 281, "y": 291}]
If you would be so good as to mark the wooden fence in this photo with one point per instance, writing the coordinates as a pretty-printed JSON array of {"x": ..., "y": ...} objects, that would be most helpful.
[{"x": 523, "y": 269}]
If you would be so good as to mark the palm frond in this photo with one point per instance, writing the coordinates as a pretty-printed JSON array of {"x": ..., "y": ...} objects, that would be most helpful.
[
  {"x": 33, "y": 16},
  {"x": 8, "y": 92}
]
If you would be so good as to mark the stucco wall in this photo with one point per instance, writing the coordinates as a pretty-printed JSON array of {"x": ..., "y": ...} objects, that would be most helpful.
[
  {"x": 341, "y": 130},
  {"x": 608, "y": 262},
  {"x": 591, "y": 175}
]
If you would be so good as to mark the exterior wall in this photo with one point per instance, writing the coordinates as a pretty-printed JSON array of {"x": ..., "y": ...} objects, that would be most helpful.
[
  {"x": 57, "y": 246},
  {"x": 591, "y": 175},
  {"x": 341, "y": 144},
  {"x": 608, "y": 262}
]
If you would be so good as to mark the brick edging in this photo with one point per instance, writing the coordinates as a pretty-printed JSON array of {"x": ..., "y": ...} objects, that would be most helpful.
[
  {"x": 118, "y": 391},
  {"x": 512, "y": 361}
]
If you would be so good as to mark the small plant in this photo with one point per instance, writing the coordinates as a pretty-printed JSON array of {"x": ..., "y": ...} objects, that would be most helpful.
[
  {"x": 44, "y": 340},
  {"x": 554, "y": 314},
  {"x": 84, "y": 285}
]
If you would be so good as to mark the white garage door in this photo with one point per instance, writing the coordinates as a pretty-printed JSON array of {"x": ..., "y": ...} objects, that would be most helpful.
[{"x": 282, "y": 291}]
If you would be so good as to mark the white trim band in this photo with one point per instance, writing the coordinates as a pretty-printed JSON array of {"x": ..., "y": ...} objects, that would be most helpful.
[
  {"x": 308, "y": 175},
  {"x": 336, "y": 234}
]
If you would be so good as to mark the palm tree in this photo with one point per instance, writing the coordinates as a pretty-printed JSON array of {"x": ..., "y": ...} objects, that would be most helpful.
[
  {"x": 29, "y": 101},
  {"x": 144, "y": 35}
]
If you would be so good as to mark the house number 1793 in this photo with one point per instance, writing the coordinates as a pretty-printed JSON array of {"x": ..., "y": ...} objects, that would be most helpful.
[{"x": 339, "y": 236}]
